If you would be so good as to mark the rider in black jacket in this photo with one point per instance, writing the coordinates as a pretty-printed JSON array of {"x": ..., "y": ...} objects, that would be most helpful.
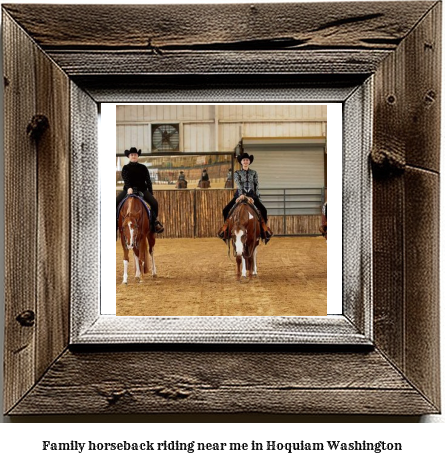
[{"x": 137, "y": 180}]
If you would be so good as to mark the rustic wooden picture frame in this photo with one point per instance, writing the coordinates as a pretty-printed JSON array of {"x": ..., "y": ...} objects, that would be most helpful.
[{"x": 56, "y": 72}]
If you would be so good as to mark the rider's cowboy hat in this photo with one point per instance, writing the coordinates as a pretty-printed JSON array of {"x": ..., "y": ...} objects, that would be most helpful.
[
  {"x": 244, "y": 155},
  {"x": 133, "y": 150}
]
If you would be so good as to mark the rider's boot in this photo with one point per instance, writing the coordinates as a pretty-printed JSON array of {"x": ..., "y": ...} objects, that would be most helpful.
[
  {"x": 222, "y": 233},
  {"x": 266, "y": 231},
  {"x": 159, "y": 228},
  {"x": 156, "y": 225}
]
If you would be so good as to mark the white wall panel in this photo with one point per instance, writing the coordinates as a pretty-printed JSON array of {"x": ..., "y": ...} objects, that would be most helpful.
[
  {"x": 198, "y": 137},
  {"x": 287, "y": 167},
  {"x": 120, "y": 139},
  {"x": 229, "y": 136},
  {"x": 234, "y": 122},
  {"x": 171, "y": 113}
]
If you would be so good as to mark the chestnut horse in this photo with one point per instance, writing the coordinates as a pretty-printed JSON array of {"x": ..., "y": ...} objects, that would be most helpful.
[
  {"x": 136, "y": 235},
  {"x": 204, "y": 184},
  {"x": 182, "y": 184},
  {"x": 244, "y": 229}
]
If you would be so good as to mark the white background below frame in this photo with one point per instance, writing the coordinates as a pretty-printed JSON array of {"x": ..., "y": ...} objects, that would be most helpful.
[{"x": 107, "y": 179}]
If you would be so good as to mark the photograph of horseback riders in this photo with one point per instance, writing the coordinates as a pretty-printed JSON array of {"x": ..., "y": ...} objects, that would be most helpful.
[{"x": 221, "y": 210}]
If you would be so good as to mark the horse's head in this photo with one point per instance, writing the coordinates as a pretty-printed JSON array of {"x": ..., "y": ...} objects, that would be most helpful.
[
  {"x": 130, "y": 221},
  {"x": 239, "y": 238},
  {"x": 244, "y": 229},
  {"x": 130, "y": 231}
]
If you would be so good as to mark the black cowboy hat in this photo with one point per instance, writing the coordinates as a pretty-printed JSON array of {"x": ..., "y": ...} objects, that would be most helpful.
[
  {"x": 244, "y": 155},
  {"x": 133, "y": 150}
]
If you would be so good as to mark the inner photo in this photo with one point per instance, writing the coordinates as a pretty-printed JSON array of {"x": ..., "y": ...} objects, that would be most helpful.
[{"x": 221, "y": 210}]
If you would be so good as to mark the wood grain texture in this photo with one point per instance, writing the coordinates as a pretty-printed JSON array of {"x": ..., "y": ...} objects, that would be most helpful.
[
  {"x": 53, "y": 213},
  {"x": 406, "y": 207},
  {"x": 422, "y": 281},
  {"x": 176, "y": 212},
  {"x": 198, "y": 213},
  {"x": 222, "y": 62},
  {"x": 159, "y": 28},
  {"x": 388, "y": 268},
  {"x": 388, "y": 200},
  {"x": 84, "y": 178},
  {"x": 209, "y": 207},
  {"x": 218, "y": 381},
  {"x": 397, "y": 41},
  {"x": 20, "y": 211},
  {"x": 231, "y": 332},
  {"x": 357, "y": 209},
  {"x": 295, "y": 224},
  {"x": 423, "y": 92},
  {"x": 195, "y": 39}
]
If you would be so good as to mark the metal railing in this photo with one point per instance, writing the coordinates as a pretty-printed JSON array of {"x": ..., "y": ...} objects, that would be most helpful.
[{"x": 293, "y": 201}]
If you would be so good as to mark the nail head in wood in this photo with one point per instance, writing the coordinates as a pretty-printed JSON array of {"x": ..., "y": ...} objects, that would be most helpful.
[
  {"x": 26, "y": 318},
  {"x": 37, "y": 126}
]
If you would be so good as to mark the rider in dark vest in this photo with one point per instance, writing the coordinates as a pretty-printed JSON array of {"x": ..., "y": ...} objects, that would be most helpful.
[
  {"x": 246, "y": 181},
  {"x": 137, "y": 180},
  {"x": 204, "y": 175}
]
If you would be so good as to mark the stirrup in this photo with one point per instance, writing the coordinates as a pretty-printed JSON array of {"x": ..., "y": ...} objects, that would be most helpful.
[
  {"x": 222, "y": 232},
  {"x": 267, "y": 234},
  {"x": 158, "y": 227}
]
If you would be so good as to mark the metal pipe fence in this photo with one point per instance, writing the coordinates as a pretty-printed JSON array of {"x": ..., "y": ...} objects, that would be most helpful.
[{"x": 291, "y": 202}]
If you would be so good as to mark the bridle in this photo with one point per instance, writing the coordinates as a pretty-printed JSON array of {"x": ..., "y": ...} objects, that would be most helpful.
[
  {"x": 126, "y": 219},
  {"x": 235, "y": 219},
  {"x": 135, "y": 230}
]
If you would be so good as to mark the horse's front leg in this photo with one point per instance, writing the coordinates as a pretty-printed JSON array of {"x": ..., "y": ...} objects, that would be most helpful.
[
  {"x": 244, "y": 272},
  {"x": 153, "y": 264},
  {"x": 249, "y": 266},
  {"x": 125, "y": 277},
  {"x": 238, "y": 268},
  {"x": 151, "y": 251},
  {"x": 254, "y": 272},
  {"x": 137, "y": 265}
]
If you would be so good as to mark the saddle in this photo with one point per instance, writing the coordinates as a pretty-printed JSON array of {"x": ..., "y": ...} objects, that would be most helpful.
[
  {"x": 255, "y": 209},
  {"x": 144, "y": 203}
]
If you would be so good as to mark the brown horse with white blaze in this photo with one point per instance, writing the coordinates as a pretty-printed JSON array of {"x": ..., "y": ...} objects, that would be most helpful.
[
  {"x": 136, "y": 235},
  {"x": 244, "y": 227}
]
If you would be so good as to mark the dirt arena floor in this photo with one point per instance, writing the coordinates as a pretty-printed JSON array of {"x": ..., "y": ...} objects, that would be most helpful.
[{"x": 197, "y": 278}]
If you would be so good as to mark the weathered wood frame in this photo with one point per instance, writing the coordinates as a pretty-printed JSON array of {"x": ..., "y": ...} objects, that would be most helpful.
[{"x": 65, "y": 64}]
